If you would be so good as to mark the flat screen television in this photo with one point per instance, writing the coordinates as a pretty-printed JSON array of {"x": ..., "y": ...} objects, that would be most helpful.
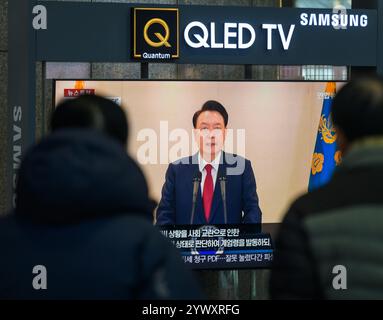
[{"x": 273, "y": 124}]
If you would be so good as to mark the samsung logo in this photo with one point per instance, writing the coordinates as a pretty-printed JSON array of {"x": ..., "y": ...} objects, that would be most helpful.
[
  {"x": 16, "y": 139},
  {"x": 336, "y": 20}
]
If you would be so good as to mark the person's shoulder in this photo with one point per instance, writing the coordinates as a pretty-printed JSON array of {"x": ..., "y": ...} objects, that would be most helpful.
[
  {"x": 128, "y": 230},
  {"x": 230, "y": 158},
  {"x": 185, "y": 161},
  {"x": 310, "y": 204},
  {"x": 142, "y": 232},
  {"x": 131, "y": 220},
  {"x": 238, "y": 165}
]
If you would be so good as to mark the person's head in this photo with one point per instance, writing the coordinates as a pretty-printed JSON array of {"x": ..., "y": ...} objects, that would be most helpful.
[
  {"x": 93, "y": 112},
  {"x": 210, "y": 124},
  {"x": 358, "y": 111}
]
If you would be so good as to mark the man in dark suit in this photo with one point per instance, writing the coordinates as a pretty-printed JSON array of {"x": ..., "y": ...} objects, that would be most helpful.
[{"x": 212, "y": 171}]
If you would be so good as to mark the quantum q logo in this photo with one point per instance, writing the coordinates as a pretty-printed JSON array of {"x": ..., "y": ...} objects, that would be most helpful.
[
  {"x": 163, "y": 39},
  {"x": 156, "y": 33}
]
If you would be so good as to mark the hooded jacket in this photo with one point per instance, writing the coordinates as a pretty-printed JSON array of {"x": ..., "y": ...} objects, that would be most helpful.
[
  {"x": 82, "y": 227},
  {"x": 330, "y": 242}
]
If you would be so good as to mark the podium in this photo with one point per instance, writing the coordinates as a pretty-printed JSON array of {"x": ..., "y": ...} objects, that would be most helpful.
[{"x": 231, "y": 261}]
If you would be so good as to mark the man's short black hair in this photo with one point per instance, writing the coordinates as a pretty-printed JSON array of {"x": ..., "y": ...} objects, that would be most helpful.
[
  {"x": 212, "y": 105},
  {"x": 358, "y": 108},
  {"x": 91, "y": 111}
]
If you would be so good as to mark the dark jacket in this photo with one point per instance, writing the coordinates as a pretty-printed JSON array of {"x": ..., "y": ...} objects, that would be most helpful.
[
  {"x": 82, "y": 212},
  {"x": 340, "y": 224},
  {"x": 177, "y": 194}
]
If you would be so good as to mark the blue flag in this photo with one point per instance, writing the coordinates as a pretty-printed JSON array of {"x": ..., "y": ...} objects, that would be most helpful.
[{"x": 326, "y": 155}]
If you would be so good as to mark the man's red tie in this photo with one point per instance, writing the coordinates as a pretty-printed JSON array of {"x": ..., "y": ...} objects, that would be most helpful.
[{"x": 207, "y": 195}]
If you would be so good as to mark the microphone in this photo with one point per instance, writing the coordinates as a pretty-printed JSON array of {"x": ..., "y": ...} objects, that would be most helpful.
[
  {"x": 196, "y": 181},
  {"x": 222, "y": 180}
]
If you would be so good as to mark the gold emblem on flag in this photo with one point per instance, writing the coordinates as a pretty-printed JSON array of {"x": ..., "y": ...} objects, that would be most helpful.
[
  {"x": 318, "y": 162},
  {"x": 327, "y": 130}
]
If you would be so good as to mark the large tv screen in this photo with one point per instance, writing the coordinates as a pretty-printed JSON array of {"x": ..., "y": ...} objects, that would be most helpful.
[{"x": 273, "y": 124}]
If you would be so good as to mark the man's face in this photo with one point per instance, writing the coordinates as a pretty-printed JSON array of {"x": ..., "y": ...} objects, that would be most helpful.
[{"x": 210, "y": 133}]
